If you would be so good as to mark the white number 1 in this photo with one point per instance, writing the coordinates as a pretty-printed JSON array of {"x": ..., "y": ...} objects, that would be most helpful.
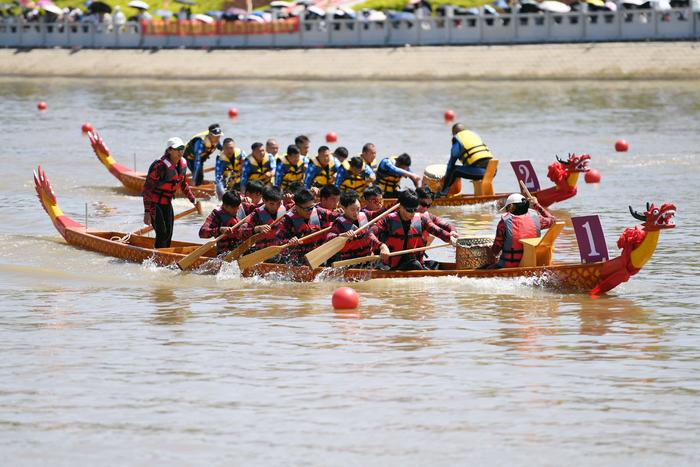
[{"x": 593, "y": 252}]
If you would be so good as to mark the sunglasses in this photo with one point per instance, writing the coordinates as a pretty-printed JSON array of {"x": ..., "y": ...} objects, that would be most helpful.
[{"x": 426, "y": 204}]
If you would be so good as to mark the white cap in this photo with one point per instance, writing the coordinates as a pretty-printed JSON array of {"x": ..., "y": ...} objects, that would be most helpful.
[
  {"x": 175, "y": 142},
  {"x": 514, "y": 198}
]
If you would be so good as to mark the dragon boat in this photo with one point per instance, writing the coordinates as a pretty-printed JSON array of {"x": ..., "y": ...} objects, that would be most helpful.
[
  {"x": 638, "y": 245},
  {"x": 563, "y": 173},
  {"x": 133, "y": 180}
]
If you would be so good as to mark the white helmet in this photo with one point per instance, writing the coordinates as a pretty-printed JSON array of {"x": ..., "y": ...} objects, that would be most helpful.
[{"x": 514, "y": 198}]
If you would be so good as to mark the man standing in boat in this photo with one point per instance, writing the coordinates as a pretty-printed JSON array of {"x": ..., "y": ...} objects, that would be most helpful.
[
  {"x": 517, "y": 223},
  {"x": 470, "y": 150},
  {"x": 259, "y": 165},
  {"x": 199, "y": 148},
  {"x": 165, "y": 176},
  {"x": 390, "y": 171},
  {"x": 404, "y": 230},
  {"x": 221, "y": 220},
  {"x": 229, "y": 164}
]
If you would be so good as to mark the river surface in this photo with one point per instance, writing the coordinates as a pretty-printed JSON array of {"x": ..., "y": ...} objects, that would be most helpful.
[{"x": 109, "y": 363}]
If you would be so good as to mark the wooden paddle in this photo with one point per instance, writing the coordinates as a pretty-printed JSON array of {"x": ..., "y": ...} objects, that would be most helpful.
[
  {"x": 365, "y": 259},
  {"x": 197, "y": 208},
  {"x": 190, "y": 259},
  {"x": 525, "y": 191},
  {"x": 266, "y": 253},
  {"x": 321, "y": 254},
  {"x": 247, "y": 244}
]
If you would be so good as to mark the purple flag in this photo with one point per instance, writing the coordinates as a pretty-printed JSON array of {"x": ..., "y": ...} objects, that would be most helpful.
[
  {"x": 590, "y": 239},
  {"x": 526, "y": 173}
]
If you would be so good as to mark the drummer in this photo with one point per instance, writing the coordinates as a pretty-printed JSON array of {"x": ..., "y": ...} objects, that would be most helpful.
[
  {"x": 470, "y": 150},
  {"x": 390, "y": 172}
]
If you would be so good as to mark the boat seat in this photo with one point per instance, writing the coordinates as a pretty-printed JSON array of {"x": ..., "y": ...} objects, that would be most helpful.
[
  {"x": 538, "y": 251},
  {"x": 484, "y": 187}
]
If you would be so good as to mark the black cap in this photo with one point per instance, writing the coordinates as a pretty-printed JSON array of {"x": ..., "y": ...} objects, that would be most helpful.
[{"x": 215, "y": 129}]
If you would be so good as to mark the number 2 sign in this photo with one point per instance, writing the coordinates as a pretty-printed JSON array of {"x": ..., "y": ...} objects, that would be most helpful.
[
  {"x": 590, "y": 239},
  {"x": 526, "y": 174}
]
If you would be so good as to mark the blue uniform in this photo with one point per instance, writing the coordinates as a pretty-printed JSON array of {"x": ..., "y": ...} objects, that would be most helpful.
[
  {"x": 345, "y": 180},
  {"x": 389, "y": 176},
  {"x": 253, "y": 170},
  {"x": 317, "y": 176}
]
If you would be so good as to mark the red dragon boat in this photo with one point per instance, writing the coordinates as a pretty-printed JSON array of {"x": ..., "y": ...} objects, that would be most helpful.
[
  {"x": 638, "y": 245},
  {"x": 132, "y": 180}
]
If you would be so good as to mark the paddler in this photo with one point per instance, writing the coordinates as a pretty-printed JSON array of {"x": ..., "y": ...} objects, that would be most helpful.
[
  {"x": 362, "y": 244},
  {"x": 199, "y": 148},
  {"x": 262, "y": 217},
  {"x": 259, "y": 165},
  {"x": 425, "y": 201},
  {"x": 374, "y": 201},
  {"x": 369, "y": 156},
  {"x": 327, "y": 208},
  {"x": 340, "y": 154},
  {"x": 321, "y": 170},
  {"x": 272, "y": 148},
  {"x": 470, "y": 150},
  {"x": 291, "y": 168},
  {"x": 221, "y": 220},
  {"x": 165, "y": 176},
  {"x": 229, "y": 164},
  {"x": 517, "y": 223},
  {"x": 301, "y": 220},
  {"x": 354, "y": 174},
  {"x": 252, "y": 199},
  {"x": 403, "y": 230},
  {"x": 391, "y": 170},
  {"x": 304, "y": 144}
]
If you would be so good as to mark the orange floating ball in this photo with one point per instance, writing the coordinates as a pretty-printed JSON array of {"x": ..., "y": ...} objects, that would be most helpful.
[
  {"x": 331, "y": 137},
  {"x": 233, "y": 112},
  {"x": 86, "y": 127},
  {"x": 592, "y": 176},
  {"x": 41, "y": 105},
  {"x": 345, "y": 298},
  {"x": 621, "y": 145},
  {"x": 449, "y": 115}
]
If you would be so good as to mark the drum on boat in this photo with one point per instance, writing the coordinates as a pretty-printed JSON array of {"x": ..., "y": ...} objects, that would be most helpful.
[
  {"x": 473, "y": 253},
  {"x": 433, "y": 177}
]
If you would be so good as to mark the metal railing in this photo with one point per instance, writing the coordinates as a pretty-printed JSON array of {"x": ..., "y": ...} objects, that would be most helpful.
[{"x": 623, "y": 25}]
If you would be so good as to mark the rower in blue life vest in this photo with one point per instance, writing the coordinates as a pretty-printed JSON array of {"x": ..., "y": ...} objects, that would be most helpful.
[
  {"x": 340, "y": 154},
  {"x": 369, "y": 156},
  {"x": 199, "y": 148},
  {"x": 470, "y": 150},
  {"x": 229, "y": 164},
  {"x": 259, "y": 165},
  {"x": 390, "y": 171},
  {"x": 291, "y": 168},
  {"x": 354, "y": 174},
  {"x": 517, "y": 223},
  {"x": 272, "y": 147},
  {"x": 321, "y": 170},
  {"x": 221, "y": 221},
  {"x": 304, "y": 144}
]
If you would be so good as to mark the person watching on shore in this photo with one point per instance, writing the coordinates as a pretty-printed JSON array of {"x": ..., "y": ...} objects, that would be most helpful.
[
  {"x": 470, "y": 150},
  {"x": 229, "y": 164},
  {"x": 259, "y": 165},
  {"x": 199, "y": 148}
]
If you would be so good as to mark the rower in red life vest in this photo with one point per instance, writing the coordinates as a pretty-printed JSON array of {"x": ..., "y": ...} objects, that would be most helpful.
[
  {"x": 252, "y": 199},
  {"x": 301, "y": 220},
  {"x": 425, "y": 201},
  {"x": 517, "y": 223},
  {"x": 362, "y": 244},
  {"x": 221, "y": 220},
  {"x": 262, "y": 217},
  {"x": 165, "y": 176},
  {"x": 327, "y": 209},
  {"x": 374, "y": 201},
  {"x": 403, "y": 230}
]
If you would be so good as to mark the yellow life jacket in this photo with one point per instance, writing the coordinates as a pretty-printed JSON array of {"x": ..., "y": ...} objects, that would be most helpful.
[
  {"x": 388, "y": 182},
  {"x": 233, "y": 168},
  {"x": 259, "y": 171},
  {"x": 474, "y": 147},
  {"x": 292, "y": 173},
  {"x": 373, "y": 165},
  {"x": 354, "y": 182},
  {"x": 209, "y": 147},
  {"x": 325, "y": 175}
]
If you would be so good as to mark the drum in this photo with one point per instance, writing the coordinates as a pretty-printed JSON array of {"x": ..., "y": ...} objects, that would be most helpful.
[
  {"x": 433, "y": 177},
  {"x": 473, "y": 253}
]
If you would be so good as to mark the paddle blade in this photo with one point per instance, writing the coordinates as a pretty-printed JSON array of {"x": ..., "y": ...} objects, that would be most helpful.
[
  {"x": 321, "y": 254},
  {"x": 259, "y": 256},
  {"x": 236, "y": 253},
  {"x": 190, "y": 259},
  {"x": 350, "y": 262}
]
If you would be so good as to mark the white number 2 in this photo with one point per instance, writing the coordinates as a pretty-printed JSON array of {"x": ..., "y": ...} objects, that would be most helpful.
[{"x": 526, "y": 176}]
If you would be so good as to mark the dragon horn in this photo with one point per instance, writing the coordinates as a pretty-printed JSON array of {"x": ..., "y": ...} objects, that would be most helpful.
[
  {"x": 561, "y": 161},
  {"x": 648, "y": 206},
  {"x": 636, "y": 215}
]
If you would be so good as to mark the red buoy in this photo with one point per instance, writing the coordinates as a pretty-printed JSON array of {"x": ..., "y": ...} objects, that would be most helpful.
[
  {"x": 233, "y": 112},
  {"x": 331, "y": 137},
  {"x": 345, "y": 298},
  {"x": 592, "y": 176},
  {"x": 41, "y": 105},
  {"x": 86, "y": 127},
  {"x": 621, "y": 145},
  {"x": 449, "y": 115}
]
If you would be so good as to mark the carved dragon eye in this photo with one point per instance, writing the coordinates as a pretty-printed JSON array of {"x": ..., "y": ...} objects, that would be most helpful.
[{"x": 655, "y": 212}]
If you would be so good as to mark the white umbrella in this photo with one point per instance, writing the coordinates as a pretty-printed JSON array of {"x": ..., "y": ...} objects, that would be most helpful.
[
  {"x": 555, "y": 7},
  {"x": 281, "y": 4},
  {"x": 53, "y": 9},
  {"x": 138, "y": 4},
  {"x": 612, "y": 6},
  {"x": 375, "y": 15},
  {"x": 317, "y": 11},
  {"x": 203, "y": 18}
]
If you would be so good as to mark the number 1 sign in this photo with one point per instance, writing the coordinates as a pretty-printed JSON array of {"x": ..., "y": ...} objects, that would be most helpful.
[
  {"x": 526, "y": 173},
  {"x": 590, "y": 239}
]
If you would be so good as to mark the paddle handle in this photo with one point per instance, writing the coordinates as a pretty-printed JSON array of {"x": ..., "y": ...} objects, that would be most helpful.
[
  {"x": 365, "y": 259},
  {"x": 525, "y": 190},
  {"x": 306, "y": 237},
  {"x": 378, "y": 218},
  {"x": 416, "y": 250}
]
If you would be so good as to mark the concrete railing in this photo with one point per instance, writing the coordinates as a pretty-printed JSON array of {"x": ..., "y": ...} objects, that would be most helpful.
[{"x": 623, "y": 25}]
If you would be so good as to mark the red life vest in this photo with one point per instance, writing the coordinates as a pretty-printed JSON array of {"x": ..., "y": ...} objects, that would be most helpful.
[
  {"x": 228, "y": 243},
  {"x": 517, "y": 227},
  {"x": 398, "y": 239},
  {"x": 165, "y": 189},
  {"x": 301, "y": 228},
  {"x": 358, "y": 246},
  {"x": 262, "y": 217}
]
